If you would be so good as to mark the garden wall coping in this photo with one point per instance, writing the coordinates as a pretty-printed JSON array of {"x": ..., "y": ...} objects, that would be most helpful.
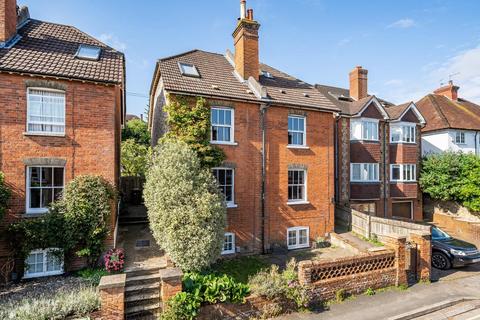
[
  {"x": 171, "y": 273},
  {"x": 113, "y": 281}
]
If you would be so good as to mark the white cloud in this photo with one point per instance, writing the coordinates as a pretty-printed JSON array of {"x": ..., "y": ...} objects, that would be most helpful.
[
  {"x": 403, "y": 24},
  {"x": 394, "y": 82},
  {"x": 113, "y": 41}
]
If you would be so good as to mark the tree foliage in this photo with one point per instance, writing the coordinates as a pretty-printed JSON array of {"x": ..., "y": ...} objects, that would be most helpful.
[
  {"x": 135, "y": 157},
  {"x": 5, "y": 194},
  {"x": 189, "y": 121},
  {"x": 76, "y": 224},
  {"x": 452, "y": 177},
  {"x": 185, "y": 207},
  {"x": 137, "y": 130}
]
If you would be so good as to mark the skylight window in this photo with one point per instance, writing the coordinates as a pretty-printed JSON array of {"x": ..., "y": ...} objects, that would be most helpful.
[
  {"x": 88, "y": 52},
  {"x": 189, "y": 70},
  {"x": 267, "y": 74}
]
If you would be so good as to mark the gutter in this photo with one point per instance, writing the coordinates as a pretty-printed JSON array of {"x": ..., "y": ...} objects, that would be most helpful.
[{"x": 263, "y": 110}]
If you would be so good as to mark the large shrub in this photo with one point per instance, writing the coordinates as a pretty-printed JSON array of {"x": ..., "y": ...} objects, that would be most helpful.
[
  {"x": 452, "y": 177},
  {"x": 137, "y": 130},
  {"x": 185, "y": 207},
  {"x": 4, "y": 195},
  {"x": 79, "y": 221},
  {"x": 134, "y": 158}
]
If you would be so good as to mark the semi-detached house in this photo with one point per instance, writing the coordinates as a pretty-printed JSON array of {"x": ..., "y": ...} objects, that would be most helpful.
[
  {"x": 61, "y": 110},
  {"x": 278, "y": 136}
]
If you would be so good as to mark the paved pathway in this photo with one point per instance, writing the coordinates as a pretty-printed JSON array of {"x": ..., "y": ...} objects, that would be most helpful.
[{"x": 381, "y": 306}]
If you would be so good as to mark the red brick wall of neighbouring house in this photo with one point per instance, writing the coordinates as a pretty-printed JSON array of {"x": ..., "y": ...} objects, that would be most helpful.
[
  {"x": 91, "y": 144},
  {"x": 8, "y": 19}
]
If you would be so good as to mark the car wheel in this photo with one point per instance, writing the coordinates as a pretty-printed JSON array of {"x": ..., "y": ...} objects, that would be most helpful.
[{"x": 441, "y": 261}]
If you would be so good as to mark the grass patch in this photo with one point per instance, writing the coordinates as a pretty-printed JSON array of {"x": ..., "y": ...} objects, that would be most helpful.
[
  {"x": 373, "y": 240},
  {"x": 77, "y": 303},
  {"x": 240, "y": 269},
  {"x": 92, "y": 275}
]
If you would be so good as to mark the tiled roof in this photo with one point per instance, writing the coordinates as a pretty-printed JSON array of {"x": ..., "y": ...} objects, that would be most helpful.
[
  {"x": 49, "y": 49},
  {"x": 442, "y": 113},
  {"x": 217, "y": 79},
  {"x": 394, "y": 112}
]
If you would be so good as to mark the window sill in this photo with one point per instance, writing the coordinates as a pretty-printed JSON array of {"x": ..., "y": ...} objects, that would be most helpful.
[
  {"x": 303, "y": 246},
  {"x": 365, "y": 182},
  {"x": 290, "y": 146},
  {"x": 34, "y": 214},
  {"x": 44, "y": 134},
  {"x": 396, "y": 142},
  {"x": 224, "y": 143},
  {"x": 364, "y": 141},
  {"x": 401, "y": 182},
  {"x": 43, "y": 274},
  {"x": 293, "y": 203},
  {"x": 232, "y": 205},
  {"x": 226, "y": 253}
]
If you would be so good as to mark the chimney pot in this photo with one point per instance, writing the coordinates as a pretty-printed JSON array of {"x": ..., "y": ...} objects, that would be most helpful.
[
  {"x": 358, "y": 83},
  {"x": 250, "y": 14},
  {"x": 243, "y": 9}
]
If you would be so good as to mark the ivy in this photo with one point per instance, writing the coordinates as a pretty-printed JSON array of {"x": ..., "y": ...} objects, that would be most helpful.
[
  {"x": 77, "y": 224},
  {"x": 5, "y": 194},
  {"x": 188, "y": 120}
]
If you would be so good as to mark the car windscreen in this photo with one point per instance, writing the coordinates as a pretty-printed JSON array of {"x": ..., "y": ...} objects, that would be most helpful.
[{"x": 438, "y": 234}]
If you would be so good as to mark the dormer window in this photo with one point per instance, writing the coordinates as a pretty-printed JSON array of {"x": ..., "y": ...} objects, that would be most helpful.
[
  {"x": 188, "y": 70},
  {"x": 88, "y": 52},
  {"x": 267, "y": 74}
]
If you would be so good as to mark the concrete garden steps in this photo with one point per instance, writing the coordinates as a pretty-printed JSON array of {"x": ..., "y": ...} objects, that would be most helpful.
[{"x": 142, "y": 294}]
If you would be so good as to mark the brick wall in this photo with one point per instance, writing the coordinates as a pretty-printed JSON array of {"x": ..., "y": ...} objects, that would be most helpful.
[
  {"x": 461, "y": 228},
  {"x": 91, "y": 144},
  {"x": 112, "y": 297},
  {"x": 8, "y": 19}
]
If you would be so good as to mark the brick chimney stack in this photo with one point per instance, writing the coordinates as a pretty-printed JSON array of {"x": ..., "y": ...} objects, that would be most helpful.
[
  {"x": 358, "y": 83},
  {"x": 450, "y": 91},
  {"x": 245, "y": 36},
  {"x": 8, "y": 20}
]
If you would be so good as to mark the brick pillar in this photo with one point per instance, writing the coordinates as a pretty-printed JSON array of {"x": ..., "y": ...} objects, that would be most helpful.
[
  {"x": 398, "y": 243},
  {"x": 112, "y": 296},
  {"x": 305, "y": 272},
  {"x": 171, "y": 283},
  {"x": 423, "y": 240}
]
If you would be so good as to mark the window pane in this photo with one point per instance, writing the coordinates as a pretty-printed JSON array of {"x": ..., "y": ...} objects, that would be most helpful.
[
  {"x": 214, "y": 116},
  {"x": 35, "y": 176},
  {"x": 47, "y": 177},
  {"x": 47, "y": 197},
  {"x": 396, "y": 172},
  {"x": 292, "y": 238},
  {"x": 58, "y": 177},
  {"x": 356, "y": 172},
  {"x": 228, "y": 117},
  {"x": 290, "y": 123},
  {"x": 303, "y": 236},
  {"x": 35, "y": 198}
]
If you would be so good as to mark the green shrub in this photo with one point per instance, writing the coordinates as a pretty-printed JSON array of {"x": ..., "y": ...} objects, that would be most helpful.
[
  {"x": 5, "y": 194},
  {"x": 240, "y": 268},
  {"x": 135, "y": 158},
  {"x": 273, "y": 284},
  {"x": 370, "y": 292},
  {"x": 186, "y": 209},
  {"x": 452, "y": 177},
  {"x": 183, "y": 306},
  {"x": 341, "y": 295},
  {"x": 76, "y": 303},
  {"x": 92, "y": 274},
  {"x": 137, "y": 130}
]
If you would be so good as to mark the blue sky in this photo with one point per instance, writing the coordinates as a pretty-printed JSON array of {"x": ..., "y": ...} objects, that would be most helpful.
[{"x": 408, "y": 46}]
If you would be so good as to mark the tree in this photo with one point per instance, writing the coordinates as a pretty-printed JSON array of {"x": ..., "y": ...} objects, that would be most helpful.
[
  {"x": 135, "y": 158},
  {"x": 4, "y": 196},
  {"x": 137, "y": 130},
  {"x": 185, "y": 207},
  {"x": 188, "y": 120}
]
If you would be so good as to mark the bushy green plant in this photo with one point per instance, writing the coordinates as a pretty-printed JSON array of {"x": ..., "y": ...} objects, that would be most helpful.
[
  {"x": 186, "y": 210},
  {"x": 5, "y": 194},
  {"x": 452, "y": 176},
  {"x": 274, "y": 284},
  {"x": 370, "y": 292},
  {"x": 134, "y": 158},
  {"x": 76, "y": 303},
  {"x": 188, "y": 120},
  {"x": 137, "y": 130},
  {"x": 341, "y": 295},
  {"x": 183, "y": 306},
  {"x": 93, "y": 275}
]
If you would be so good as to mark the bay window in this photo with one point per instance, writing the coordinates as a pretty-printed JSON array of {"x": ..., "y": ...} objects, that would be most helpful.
[
  {"x": 363, "y": 129},
  {"x": 364, "y": 172},
  {"x": 403, "y": 172},
  {"x": 402, "y": 133}
]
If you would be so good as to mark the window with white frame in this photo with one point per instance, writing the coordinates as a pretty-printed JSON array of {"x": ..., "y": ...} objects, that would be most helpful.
[
  {"x": 298, "y": 237},
  {"x": 364, "y": 172},
  {"x": 229, "y": 243},
  {"x": 403, "y": 172},
  {"x": 46, "y": 111},
  {"x": 363, "y": 129},
  {"x": 297, "y": 186},
  {"x": 222, "y": 120},
  {"x": 459, "y": 137},
  {"x": 402, "y": 133},
  {"x": 226, "y": 180},
  {"x": 45, "y": 262},
  {"x": 296, "y": 131},
  {"x": 44, "y": 185}
]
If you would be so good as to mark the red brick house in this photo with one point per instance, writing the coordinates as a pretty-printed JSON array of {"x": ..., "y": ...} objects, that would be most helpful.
[
  {"x": 62, "y": 102},
  {"x": 277, "y": 133},
  {"x": 378, "y": 150}
]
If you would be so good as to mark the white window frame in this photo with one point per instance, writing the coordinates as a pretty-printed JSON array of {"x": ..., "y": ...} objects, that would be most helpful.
[
  {"x": 402, "y": 167},
  {"x": 304, "y": 132},
  {"x": 231, "y": 126},
  {"x": 362, "y": 122},
  {"x": 375, "y": 165},
  {"x": 28, "y": 186},
  {"x": 297, "y": 244},
  {"x": 231, "y": 251},
  {"x": 46, "y": 133},
  {"x": 460, "y": 138},
  {"x": 305, "y": 198},
  {"x": 45, "y": 273},
  {"x": 405, "y": 128},
  {"x": 230, "y": 204}
]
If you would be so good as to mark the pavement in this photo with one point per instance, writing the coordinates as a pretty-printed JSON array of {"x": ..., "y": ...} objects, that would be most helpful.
[{"x": 453, "y": 286}]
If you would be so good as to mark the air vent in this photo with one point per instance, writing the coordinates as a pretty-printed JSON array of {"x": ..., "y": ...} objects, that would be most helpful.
[{"x": 142, "y": 244}]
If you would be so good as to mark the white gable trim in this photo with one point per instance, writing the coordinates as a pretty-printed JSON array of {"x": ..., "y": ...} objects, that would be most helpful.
[{"x": 377, "y": 104}]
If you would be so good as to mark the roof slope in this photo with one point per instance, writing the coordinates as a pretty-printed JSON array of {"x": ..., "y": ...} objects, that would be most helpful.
[
  {"x": 442, "y": 113},
  {"x": 49, "y": 49},
  {"x": 217, "y": 79}
]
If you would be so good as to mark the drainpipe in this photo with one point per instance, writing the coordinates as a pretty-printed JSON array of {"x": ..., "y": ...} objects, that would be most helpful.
[
  {"x": 335, "y": 155},
  {"x": 385, "y": 204},
  {"x": 263, "y": 110},
  {"x": 476, "y": 143}
]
